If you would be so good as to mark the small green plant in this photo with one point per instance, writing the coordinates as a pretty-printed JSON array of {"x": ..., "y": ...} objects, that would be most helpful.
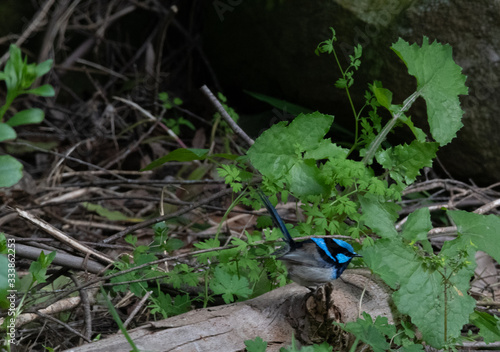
[
  {"x": 10, "y": 285},
  {"x": 175, "y": 122},
  {"x": 19, "y": 77}
]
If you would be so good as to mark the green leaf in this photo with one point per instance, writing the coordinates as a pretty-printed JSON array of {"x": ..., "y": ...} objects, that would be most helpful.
[
  {"x": 12, "y": 67},
  {"x": 26, "y": 117},
  {"x": 372, "y": 333},
  {"x": 392, "y": 260},
  {"x": 420, "y": 135},
  {"x": 257, "y": 345},
  {"x": 379, "y": 216},
  {"x": 481, "y": 230},
  {"x": 207, "y": 244},
  {"x": 44, "y": 91},
  {"x": 439, "y": 82},
  {"x": 11, "y": 171},
  {"x": 405, "y": 161},
  {"x": 429, "y": 295},
  {"x": 180, "y": 154},
  {"x": 108, "y": 214},
  {"x": 384, "y": 96},
  {"x": 229, "y": 285},
  {"x": 6, "y": 132},
  {"x": 168, "y": 306},
  {"x": 305, "y": 178},
  {"x": 38, "y": 268},
  {"x": 43, "y": 67},
  {"x": 278, "y": 152},
  {"x": 489, "y": 326},
  {"x": 418, "y": 225}
]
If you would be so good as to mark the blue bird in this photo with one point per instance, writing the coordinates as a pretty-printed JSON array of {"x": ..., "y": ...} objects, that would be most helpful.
[{"x": 314, "y": 261}]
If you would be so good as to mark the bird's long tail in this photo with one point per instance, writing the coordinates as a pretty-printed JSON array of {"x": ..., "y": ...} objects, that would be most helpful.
[{"x": 277, "y": 221}]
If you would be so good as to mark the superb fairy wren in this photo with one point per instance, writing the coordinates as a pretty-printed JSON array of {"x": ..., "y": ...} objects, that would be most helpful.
[{"x": 312, "y": 262}]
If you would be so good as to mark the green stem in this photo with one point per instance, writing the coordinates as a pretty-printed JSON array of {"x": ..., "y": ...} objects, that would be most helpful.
[
  {"x": 388, "y": 127},
  {"x": 445, "y": 309},
  {"x": 356, "y": 115},
  {"x": 11, "y": 95}
]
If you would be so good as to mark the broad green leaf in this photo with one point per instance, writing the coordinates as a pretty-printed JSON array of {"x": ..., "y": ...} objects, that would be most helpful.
[
  {"x": 439, "y": 82},
  {"x": 44, "y": 91},
  {"x": 26, "y": 117},
  {"x": 278, "y": 152},
  {"x": 392, "y": 260},
  {"x": 481, "y": 230},
  {"x": 6, "y": 132},
  {"x": 405, "y": 161},
  {"x": 489, "y": 326},
  {"x": 326, "y": 149},
  {"x": 11, "y": 171},
  {"x": 43, "y": 67},
  {"x": 418, "y": 225},
  {"x": 429, "y": 296},
  {"x": 379, "y": 216},
  {"x": 180, "y": 154},
  {"x": 305, "y": 178},
  {"x": 229, "y": 285}
]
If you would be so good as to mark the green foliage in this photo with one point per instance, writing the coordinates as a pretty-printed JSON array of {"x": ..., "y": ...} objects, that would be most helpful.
[
  {"x": 293, "y": 150},
  {"x": 439, "y": 82},
  {"x": 348, "y": 192},
  {"x": 371, "y": 332},
  {"x": 235, "y": 272},
  {"x": 430, "y": 289},
  {"x": 257, "y": 345},
  {"x": 19, "y": 77},
  {"x": 175, "y": 121},
  {"x": 489, "y": 326},
  {"x": 37, "y": 274},
  {"x": 229, "y": 285},
  {"x": 167, "y": 102}
]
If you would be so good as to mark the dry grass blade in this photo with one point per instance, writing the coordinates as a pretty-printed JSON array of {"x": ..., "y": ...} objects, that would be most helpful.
[{"x": 61, "y": 236}]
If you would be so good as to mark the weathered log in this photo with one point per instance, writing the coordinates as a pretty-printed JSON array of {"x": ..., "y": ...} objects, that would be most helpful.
[{"x": 274, "y": 316}]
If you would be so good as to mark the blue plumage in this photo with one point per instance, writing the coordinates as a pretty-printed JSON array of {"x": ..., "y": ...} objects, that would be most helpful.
[{"x": 314, "y": 261}]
